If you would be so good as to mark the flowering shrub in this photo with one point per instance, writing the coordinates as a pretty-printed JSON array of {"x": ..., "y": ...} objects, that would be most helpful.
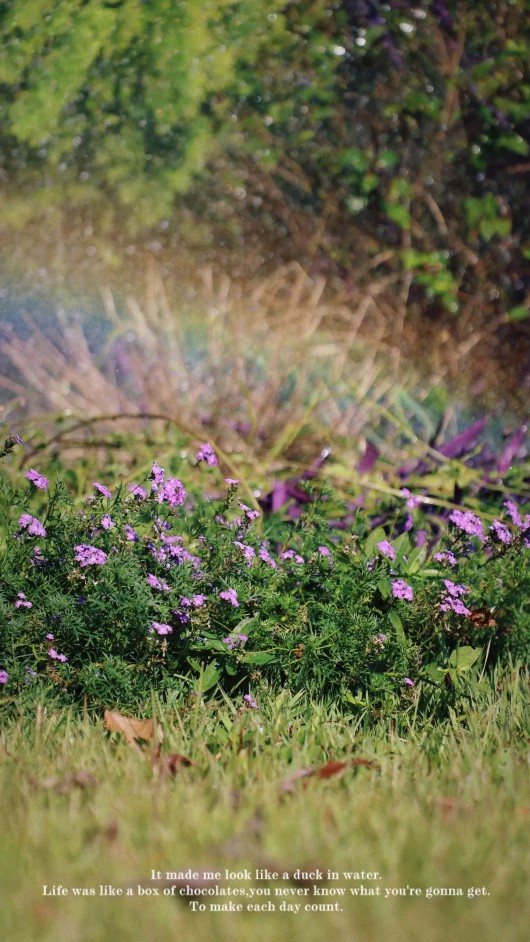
[{"x": 146, "y": 587}]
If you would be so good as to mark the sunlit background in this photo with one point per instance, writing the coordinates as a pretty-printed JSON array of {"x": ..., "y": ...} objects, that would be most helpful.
[{"x": 238, "y": 214}]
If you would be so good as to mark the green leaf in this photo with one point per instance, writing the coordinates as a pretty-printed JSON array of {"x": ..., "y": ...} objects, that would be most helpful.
[
  {"x": 209, "y": 676},
  {"x": 397, "y": 625},
  {"x": 354, "y": 159},
  {"x": 398, "y": 214},
  {"x": 515, "y": 143},
  {"x": 519, "y": 313},
  {"x": 385, "y": 588},
  {"x": 356, "y": 701},
  {"x": 462, "y": 659},
  {"x": 401, "y": 545},
  {"x": 416, "y": 558},
  {"x": 258, "y": 657},
  {"x": 489, "y": 228}
]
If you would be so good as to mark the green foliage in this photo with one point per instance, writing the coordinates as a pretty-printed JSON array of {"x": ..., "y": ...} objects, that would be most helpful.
[
  {"x": 122, "y": 99},
  {"x": 401, "y": 132},
  {"x": 161, "y": 590}
]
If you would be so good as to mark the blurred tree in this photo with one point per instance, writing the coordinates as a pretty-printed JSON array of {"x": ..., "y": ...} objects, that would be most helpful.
[
  {"x": 119, "y": 100},
  {"x": 389, "y": 138}
]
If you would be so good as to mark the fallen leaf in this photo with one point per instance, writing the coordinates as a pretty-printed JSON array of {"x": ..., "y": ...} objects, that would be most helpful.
[
  {"x": 330, "y": 768},
  {"x": 366, "y": 763},
  {"x": 169, "y": 765},
  {"x": 130, "y": 727}
]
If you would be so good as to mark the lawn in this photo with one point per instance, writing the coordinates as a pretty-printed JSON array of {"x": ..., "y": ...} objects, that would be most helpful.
[{"x": 374, "y": 832}]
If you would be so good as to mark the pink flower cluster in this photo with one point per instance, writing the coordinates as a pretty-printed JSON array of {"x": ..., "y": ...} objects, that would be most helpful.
[
  {"x": 87, "y": 555},
  {"x": 31, "y": 524}
]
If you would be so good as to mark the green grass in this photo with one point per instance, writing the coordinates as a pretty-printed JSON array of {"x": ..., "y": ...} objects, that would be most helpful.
[{"x": 445, "y": 806}]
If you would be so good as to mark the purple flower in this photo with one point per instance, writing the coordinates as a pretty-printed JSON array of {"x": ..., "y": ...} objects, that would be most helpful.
[
  {"x": 50, "y": 637},
  {"x": 22, "y": 601},
  {"x": 235, "y": 641},
  {"x": 57, "y": 657},
  {"x": 248, "y": 551},
  {"x": 195, "y": 602},
  {"x": 138, "y": 491},
  {"x": 446, "y": 555},
  {"x": 290, "y": 554},
  {"x": 409, "y": 682},
  {"x": 266, "y": 557},
  {"x": 454, "y": 605},
  {"x": 4, "y": 677},
  {"x": 402, "y": 590},
  {"x": 323, "y": 551},
  {"x": 102, "y": 489},
  {"x": 33, "y": 526},
  {"x": 455, "y": 590},
  {"x": 37, "y": 558},
  {"x": 250, "y": 701},
  {"x": 172, "y": 491},
  {"x": 107, "y": 522},
  {"x": 89, "y": 555},
  {"x": 230, "y": 595},
  {"x": 157, "y": 583},
  {"x": 513, "y": 512},
  {"x": 468, "y": 522},
  {"x": 380, "y": 639},
  {"x": 181, "y": 616},
  {"x": 251, "y": 514},
  {"x": 232, "y": 482},
  {"x": 178, "y": 553},
  {"x": 158, "y": 474},
  {"x": 409, "y": 523},
  {"x": 412, "y": 501},
  {"x": 386, "y": 549},
  {"x": 206, "y": 453},
  {"x": 161, "y": 628},
  {"x": 37, "y": 479},
  {"x": 501, "y": 532},
  {"x": 130, "y": 533}
]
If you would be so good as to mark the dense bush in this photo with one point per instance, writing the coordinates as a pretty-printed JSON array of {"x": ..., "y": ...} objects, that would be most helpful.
[{"x": 153, "y": 587}]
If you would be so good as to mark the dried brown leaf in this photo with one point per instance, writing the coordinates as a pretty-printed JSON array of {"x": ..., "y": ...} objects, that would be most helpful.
[
  {"x": 129, "y": 726},
  {"x": 366, "y": 763},
  {"x": 331, "y": 768},
  {"x": 169, "y": 765}
]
